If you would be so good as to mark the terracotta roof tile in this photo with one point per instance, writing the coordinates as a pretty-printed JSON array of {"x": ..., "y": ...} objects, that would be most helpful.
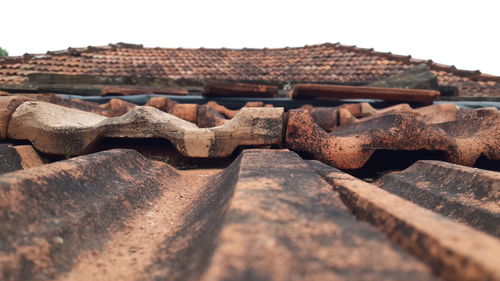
[
  {"x": 279, "y": 202},
  {"x": 464, "y": 194},
  {"x": 81, "y": 199},
  {"x": 350, "y": 146},
  {"x": 443, "y": 244},
  {"x": 59, "y": 130},
  {"x": 470, "y": 135},
  {"x": 327, "y": 63},
  {"x": 466, "y": 134},
  {"x": 92, "y": 209}
]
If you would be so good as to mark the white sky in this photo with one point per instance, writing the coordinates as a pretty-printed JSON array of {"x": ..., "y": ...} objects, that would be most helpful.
[{"x": 463, "y": 33}]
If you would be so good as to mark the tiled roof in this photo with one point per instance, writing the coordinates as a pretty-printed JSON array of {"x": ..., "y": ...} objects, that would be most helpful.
[
  {"x": 115, "y": 215},
  {"x": 326, "y": 63},
  {"x": 187, "y": 204},
  {"x": 345, "y": 137}
]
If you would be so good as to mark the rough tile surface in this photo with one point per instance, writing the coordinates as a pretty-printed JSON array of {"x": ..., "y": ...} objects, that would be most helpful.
[
  {"x": 59, "y": 130},
  {"x": 270, "y": 217},
  {"x": 53, "y": 212},
  {"x": 453, "y": 250},
  {"x": 477, "y": 133},
  {"x": 350, "y": 146},
  {"x": 467, "y": 195}
]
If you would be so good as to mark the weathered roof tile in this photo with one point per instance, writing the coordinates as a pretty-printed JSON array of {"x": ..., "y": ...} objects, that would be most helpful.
[
  {"x": 52, "y": 213},
  {"x": 477, "y": 133},
  {"x": 59, "y": 130},
  {"x": 453, "y": 250},
  {"x": 464, "y": 194},
  {"x": 8, "y": 105},
  {"x": 283, "y": 222},
  {"x": 350, "y": 146}
]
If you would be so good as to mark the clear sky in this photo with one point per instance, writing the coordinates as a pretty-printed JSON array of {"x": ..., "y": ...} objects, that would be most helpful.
[{"x": 463, "y": 33}]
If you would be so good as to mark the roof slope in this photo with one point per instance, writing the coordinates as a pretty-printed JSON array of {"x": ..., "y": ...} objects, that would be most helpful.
[{"x": 326, "y": 63}]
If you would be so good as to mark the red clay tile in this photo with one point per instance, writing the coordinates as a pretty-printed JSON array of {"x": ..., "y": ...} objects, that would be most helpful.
[
  {"x": 470, "y": 135},
  {"x": 8, "y": 105},
  {"x": 222, "y": 109},
  {"x": 350, "y": 146},
  {"x": 345, "y": 117},
  {"x": 359, "y": 110},
  {"x": 98, "y": 216},
  {"x": 13, "y": 158},
  {"x": 476, "y": 132},
  {"x": 161, "y": 103},
  {"x": 270, "y": 216},
  {"x": 438, "y": 113},
  {"x": 466, "y": 195},
  {"x": 185, "y": 111},
  {"x": 208, "y": 117},
  {"x": 115, "y": 108},
  {"x": 454, "y": 251},
  {"x": 325, "y": 117},
  {"x": 53, "y": 213},
  {"x": 29, "y": 156}
]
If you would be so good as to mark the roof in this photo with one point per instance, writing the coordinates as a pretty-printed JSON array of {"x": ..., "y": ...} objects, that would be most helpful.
[
  {"x": 173, "y": 191},
  {"x": 326, "y": 63}
]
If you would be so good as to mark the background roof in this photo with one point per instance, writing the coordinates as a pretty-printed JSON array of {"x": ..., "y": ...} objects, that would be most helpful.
[{"x": 326, "y": 63}]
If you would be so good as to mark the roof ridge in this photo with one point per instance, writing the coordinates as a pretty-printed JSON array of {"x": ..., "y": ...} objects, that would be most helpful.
[
  {"x": 68, "y": 51},
  {"x": 472, "y": 74}
]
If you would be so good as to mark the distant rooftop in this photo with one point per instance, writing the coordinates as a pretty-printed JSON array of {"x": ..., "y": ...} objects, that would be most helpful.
[{"x": 325, "y": 63}]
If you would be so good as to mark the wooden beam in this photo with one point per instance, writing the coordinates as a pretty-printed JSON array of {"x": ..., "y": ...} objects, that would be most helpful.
[
  {"x": 141, "y": 90},
  {"x": 319, "y": 91},
  {"x": 224, "y": 89}
]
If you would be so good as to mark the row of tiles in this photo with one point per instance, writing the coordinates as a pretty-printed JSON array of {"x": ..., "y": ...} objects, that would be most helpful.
[
  {"x": 114, "y": 215},
  {"x": 314, "y": 64},
  {"x": 345, "y": 136}
]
